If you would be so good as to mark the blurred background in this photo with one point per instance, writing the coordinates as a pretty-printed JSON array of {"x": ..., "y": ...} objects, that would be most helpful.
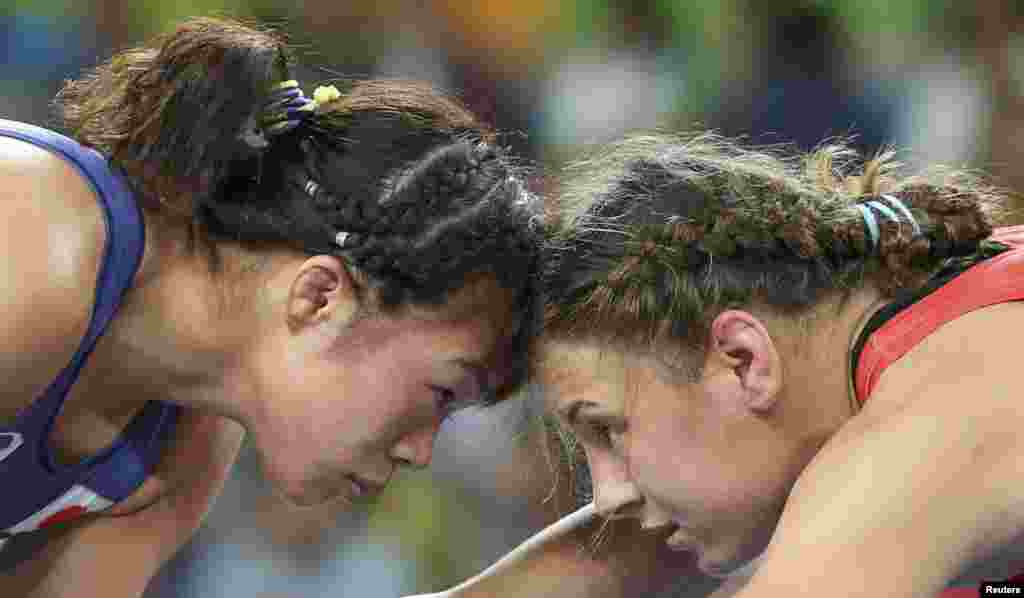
[{"x": 942, "y": 79}]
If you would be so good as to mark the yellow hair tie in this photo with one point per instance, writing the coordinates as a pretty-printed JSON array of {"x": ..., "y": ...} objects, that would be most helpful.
[
  {"x": 285, "y": 84},
  {"x": 324, "y": 94}
]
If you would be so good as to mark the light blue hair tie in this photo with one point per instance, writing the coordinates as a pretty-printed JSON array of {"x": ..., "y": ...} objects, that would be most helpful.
[
  {"x": 870, "y": 222},
  {"x": 899, "y": 205},
  {"x": 884, "y": 209}
]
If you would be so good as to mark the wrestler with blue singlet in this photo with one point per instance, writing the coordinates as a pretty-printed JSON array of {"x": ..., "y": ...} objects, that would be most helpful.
[{"x": 210, "y": 251}]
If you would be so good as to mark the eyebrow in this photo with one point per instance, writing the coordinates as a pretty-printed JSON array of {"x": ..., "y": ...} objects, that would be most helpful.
[
  {"x": 479, "y": 371},
  {"x": 571, "y": 411},
  {"x": 474, "y": 365}
]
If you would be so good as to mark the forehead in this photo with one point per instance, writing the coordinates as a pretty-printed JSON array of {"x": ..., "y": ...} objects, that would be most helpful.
[
  {"x": 558, "y": 359},
  {"x": 408, "y": 334},
  {"x": 467, "y": 328},
  {"x": 482, "y": 300},
  {"x": 613, "y": 376},
  {"x": 570, "y": 371}
]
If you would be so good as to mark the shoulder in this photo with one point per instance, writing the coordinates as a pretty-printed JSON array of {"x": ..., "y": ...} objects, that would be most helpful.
[
  {"x": 968, "y": 367},
  {"x": 52, "y": 234},
  {"x": 965, "y": 378},
  {"x": 919, "y": 484}
]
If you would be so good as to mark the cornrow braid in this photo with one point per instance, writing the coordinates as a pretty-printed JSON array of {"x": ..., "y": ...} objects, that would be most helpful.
[
  {"x": 420, "y": 203},
  {"x": 659, "y": 234},
  {"x": 457, "y": 178},
  {"x": 210, "y": 127}
]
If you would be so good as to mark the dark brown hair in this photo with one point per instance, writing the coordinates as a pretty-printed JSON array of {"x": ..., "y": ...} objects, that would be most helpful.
[
  {"x": 170, "y": 111},
  {"x": 412, "y": 179}
]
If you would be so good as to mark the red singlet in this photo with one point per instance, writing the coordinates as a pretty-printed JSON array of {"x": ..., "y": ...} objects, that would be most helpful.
[{"x": 998, "y": 279}]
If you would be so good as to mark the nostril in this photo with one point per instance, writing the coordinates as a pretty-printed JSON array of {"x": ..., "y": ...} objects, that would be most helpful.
[
  {"x": 648, "y": 525},
  {"x": 633, "y": 510}
]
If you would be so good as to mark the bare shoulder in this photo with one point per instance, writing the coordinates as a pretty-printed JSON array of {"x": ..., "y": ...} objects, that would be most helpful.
[
  {"x": 968, "y": 367},
  {"x": 919, "y": 484},
  {"x": 52, "y": 235}
]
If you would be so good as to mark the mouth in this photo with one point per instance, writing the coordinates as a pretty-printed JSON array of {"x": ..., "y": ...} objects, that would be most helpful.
[
  {"x": 741, "y": 570},
  {"x": 680, "y": 540},
  {"x": 363, "y": 487},
  {"x": 658, "y": 527}
]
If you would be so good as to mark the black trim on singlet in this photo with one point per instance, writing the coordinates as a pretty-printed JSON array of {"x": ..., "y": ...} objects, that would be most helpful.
[{"x": 901, "y": 302}]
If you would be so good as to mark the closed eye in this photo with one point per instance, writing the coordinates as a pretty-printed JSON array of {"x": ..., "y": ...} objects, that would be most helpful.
[
  {"x": 447, "y": 401},
  {"x": 601, "y": 430},
  {"x": 597, "y": 431}
]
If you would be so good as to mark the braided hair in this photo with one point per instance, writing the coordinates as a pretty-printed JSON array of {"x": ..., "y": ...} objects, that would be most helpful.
[
  {"x": 394, "y": 176},
  {"x": 659, "y": 234}
]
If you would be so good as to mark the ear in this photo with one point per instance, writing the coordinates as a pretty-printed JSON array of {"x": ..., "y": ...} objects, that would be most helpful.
[
  {"x": 740, "y": 343},
  {"x": 323, "y": 290}
]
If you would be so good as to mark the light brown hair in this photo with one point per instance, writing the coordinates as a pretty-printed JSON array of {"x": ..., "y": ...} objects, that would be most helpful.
[{"x": 657, "y": 234}]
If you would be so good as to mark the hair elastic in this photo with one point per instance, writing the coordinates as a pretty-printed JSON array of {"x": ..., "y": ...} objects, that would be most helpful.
[
  {"x": 870, "y": 222},
  {"x": 885, "y": 210},
  {"x": 284, "y": 109},
  {"x": 902, "y": 207},
  {"x": 867, "y": 212}
]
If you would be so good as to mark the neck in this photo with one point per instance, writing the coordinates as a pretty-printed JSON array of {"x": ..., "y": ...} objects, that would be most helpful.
[
  {"x": 178, "y": 336},
  {"x": 819, "y": 372}
]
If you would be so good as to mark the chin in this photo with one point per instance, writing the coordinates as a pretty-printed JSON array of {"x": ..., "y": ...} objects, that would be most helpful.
[
  {"x": 717, "y": 569},
  {"x": 735, "y": 569},
  {"x": 293, "y": 487},
  {"x": 293, "y": 492},
  {"x": 301, "y": 496},
  {"x": 315, "y": 490},
  {"x": 737, "y": 563}
]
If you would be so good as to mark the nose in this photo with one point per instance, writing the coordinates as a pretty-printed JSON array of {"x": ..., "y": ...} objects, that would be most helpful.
[
  {"x": 654, "y": 516},
  {"x": 416, "y": 448},
  {"x": 615, "y": 494}
]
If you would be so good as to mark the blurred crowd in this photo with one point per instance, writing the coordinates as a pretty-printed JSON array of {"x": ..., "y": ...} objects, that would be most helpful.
[{"x": 939, "y": 79}]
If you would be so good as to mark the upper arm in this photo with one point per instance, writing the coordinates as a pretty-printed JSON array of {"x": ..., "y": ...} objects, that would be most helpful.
[
  {"x": 52, "y": 236},
  {"x": 900, "y": 500},
  {"x": 119, "y": 555}
]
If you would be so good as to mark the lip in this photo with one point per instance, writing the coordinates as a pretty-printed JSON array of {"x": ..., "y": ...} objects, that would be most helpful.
[
  {"x": 680, "y": 541},
  {"x": 363, "y": 487},
  {"x": 722, "y": 571},
  {"x": 741, "y": 570},
  {"x": 658, "y": 526}
]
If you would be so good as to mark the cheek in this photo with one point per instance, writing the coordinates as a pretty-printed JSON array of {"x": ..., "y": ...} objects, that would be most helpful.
[
  {"x": 387, "y": 397},
  {"x": 657, "y": 455},
  {"x": 685, "y": 461},
  {"x": 329, "y": 410}
]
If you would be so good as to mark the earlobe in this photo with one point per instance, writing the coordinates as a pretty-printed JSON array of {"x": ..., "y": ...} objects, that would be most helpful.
[
  {"x": 744, "y": 344},
  {"x": 323, "y": 289}
]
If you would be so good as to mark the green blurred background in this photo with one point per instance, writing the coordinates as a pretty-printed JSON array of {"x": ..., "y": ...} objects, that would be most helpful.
[{"x": 942, "y": 79}]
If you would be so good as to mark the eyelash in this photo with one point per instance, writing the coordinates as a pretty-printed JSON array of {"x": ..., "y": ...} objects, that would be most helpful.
[
  {"x": 476, "y": 394},
  {"x": 600, "y": 431},
  {"x": 444, "y": 399}
]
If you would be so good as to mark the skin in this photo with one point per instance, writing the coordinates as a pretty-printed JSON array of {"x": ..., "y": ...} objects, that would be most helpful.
[
  {"x": 280, "y": 345},
  {"x": 607, "y": 559},
  {"x": 276, "y": 345},
  {"x": 765, "y": 452}
]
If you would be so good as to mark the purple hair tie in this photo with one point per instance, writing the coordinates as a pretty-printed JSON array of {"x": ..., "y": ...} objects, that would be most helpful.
[{"x": 284, "y": 110}]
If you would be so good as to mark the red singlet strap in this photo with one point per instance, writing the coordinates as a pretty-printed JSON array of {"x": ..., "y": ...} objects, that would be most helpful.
[{"x": 996, "y": 280}]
